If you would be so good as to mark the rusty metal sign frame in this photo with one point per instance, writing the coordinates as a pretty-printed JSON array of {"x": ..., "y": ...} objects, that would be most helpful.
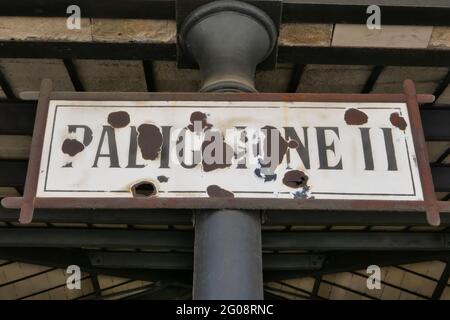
[{"x": 29, "y": 201}]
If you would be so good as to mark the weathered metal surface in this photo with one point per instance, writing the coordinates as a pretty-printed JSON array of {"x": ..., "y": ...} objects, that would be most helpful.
[
  {"x": 29, "y": 194},
  {"x": 422, "y": 153},
  {"x": 280, "y": 111},
  {"x": 228, "y": 149},
  {"x": 229, "y": 203}
]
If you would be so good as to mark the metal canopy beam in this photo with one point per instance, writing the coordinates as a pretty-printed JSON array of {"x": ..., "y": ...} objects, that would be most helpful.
[
  {"x": 76, "y": 238},
  {"x": 105, "y": 260},
  {"x": 156, "y": 217},
  {"x": 441, "y": 177},
  {"x": 405, "y": 12},
  {"x": 167, "y": 51},
  {"x": 333, "y": 262},
  {"x": 436, "y": 122},
  {"x": 184, "y": 217},
  {"x": 183, "y": 240},
  {"x": 61, "y": 258},
  {"x": 355, "y": 241},
  {"x": 169, "y": 261},
  {"x": 336, "y": 262},
  {"x": 364, "y": 56}
]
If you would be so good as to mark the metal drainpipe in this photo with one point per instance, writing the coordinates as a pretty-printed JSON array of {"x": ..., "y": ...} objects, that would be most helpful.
[{"x": 228, "y": 39}]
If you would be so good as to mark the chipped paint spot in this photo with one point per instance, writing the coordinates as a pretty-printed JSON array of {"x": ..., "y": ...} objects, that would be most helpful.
[
  {"x": 303, "y": 193},
  {"x": 162, "y": 179},
  {"x": 295, "y": 179},
  {"x": 267, "y": 178},
  {"x": 292, "y": 144},
  {"x": 200, "y": 117},
  {"x": 72, "y": 147},
  {"x": 119, "y": 119},
  {"x": 355, "y": 117},
  {"x": 214, "y": 191},
  {"x": 150, "y": 141},
  {"x": 398, "y": 121},
  {"x": 144, "y": 189}
]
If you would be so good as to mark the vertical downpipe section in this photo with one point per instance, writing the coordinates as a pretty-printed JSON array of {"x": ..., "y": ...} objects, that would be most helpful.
[{"x": 228, "y": 39}]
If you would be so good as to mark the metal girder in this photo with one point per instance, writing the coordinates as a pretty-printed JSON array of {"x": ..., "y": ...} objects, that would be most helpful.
[
  {"x": 441, "y": 177},
  {"x": 184, "y": 217},
  {"x": 13, "y": 173},
  {"x": 18, "y": 118},
  {"x": 106, "y": 260},
  {"x": 61, "y": 258},
  {"x": 185, "y": 260},
  {"x": 364, "y": 56},
  {"x": 153, "y": 217},
  {"x": 355, "y": 241},
  {"x": 138, "y": 9},
  {"x": 167, "y": 51},
  {"x": 183, "y": 240},
  {"x": 87, "y": 50},
  {"x": 346, "y": 218},
  {"x": 404, "y": 12},
  {"x": 413, "y": 12},
  {"x": 436, "y": 121},
  {"x": 334, "y": 262},
  {"x": 100, "y": 238}
]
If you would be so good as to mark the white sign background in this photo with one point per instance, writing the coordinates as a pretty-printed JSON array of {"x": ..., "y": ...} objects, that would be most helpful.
[{"x": 353, "y": 182}]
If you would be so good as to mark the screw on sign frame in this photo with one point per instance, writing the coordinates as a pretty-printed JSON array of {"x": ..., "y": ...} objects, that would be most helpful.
[{"x": 430, "y": 205}]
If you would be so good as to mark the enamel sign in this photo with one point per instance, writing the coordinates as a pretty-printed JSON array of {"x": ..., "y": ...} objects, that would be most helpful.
[{"x": 240, "y": 149}]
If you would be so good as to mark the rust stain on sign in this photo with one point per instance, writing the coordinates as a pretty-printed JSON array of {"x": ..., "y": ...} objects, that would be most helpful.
[
  {"x": 162, "y": 179},
  {"x": 150, "y": 141},
  {"x": 295, "y": 179},
  {"x": 214, "y": 191},
  {"x": 355, "y": 117},
  {"x": 248, "y": 148},
  {"x": 292, "y": 144},
  {"x": 200, "y": 117},
  {"x": 398, "y": 121},
  {"x": 72, "y": 147},
  {"x": 144, "y": 189},
  {"x": 119, "y": 119}
]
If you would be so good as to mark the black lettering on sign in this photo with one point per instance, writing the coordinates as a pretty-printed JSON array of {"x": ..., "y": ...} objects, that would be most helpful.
[
  {"x": 112, "y": 147},
  {"x": 323, "y": 147},
  {"x": 181, "y": 151},
  {"x": 390, "y": 150},
  {"x": 301, "y": 148},
  {"x": 367, "y": 148},
  {"x": 165, "y": 148},
  {"x": 87, "y": 134},
  {"x": 132, "y": 151}
]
